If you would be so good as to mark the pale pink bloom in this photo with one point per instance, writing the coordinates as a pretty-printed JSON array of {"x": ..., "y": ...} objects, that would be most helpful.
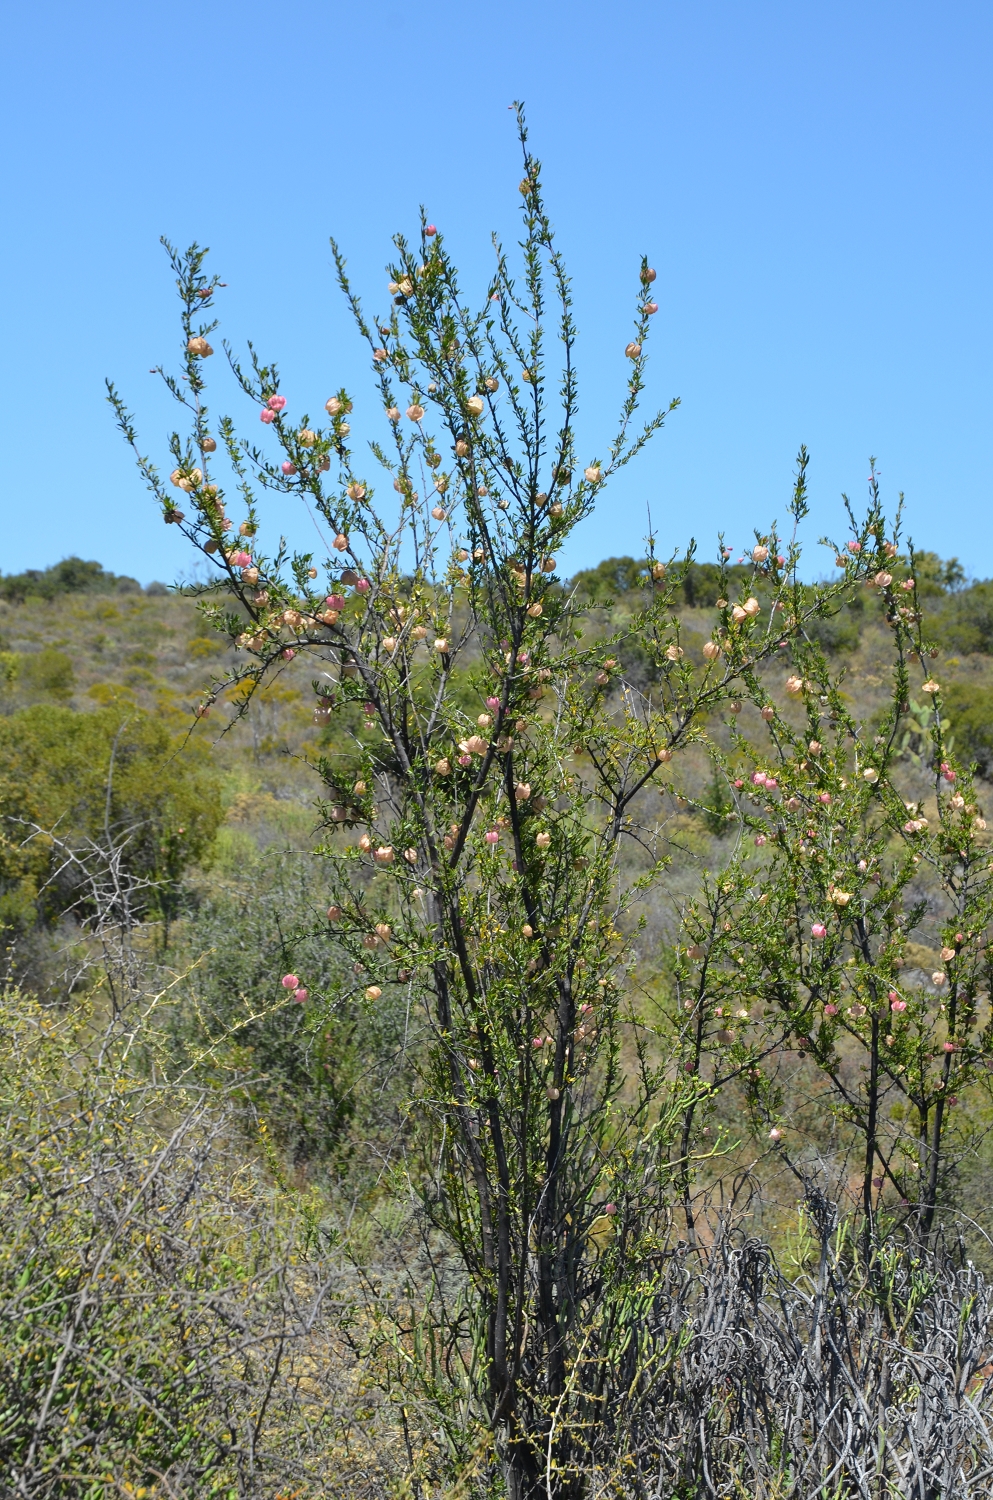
[
  {"x": 276, "y": 403},
  {"x": 288, "y": 467},
  {"x": 290, "y": 982},
  {"x": 830, "y": 1010},
  {"x": 288, "y": 654},
  {"x": 492, "y": 836},
  {"x": 265, "y": 415},
  {"x": 300, "y": 995},
  {"x": 818, "y": 930},
  {"x": 363, "y": 586}
]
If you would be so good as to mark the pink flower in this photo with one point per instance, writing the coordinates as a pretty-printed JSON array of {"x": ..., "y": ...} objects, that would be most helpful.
[
  {"x": 830, "y": 1010},
  {"x": 430, "y": 229},
  {"x": 610, "y": 1208},
  {"x": 465, "y": 760},
  {"x": 276, "y": 403},
  {"x": 492, "y": 836},
  {"x": 335, "y": 601},
  {"x": 758, "y": 779},
  {"x": 738, "y": 784},
  {"x": 538, "y": 1042},
  {"x": 288, "y": 654},
  {"x": 771, "y": 783},
  {"x": 760, "y": 839},
  {"x": 781, "y": 561},
  {"x": 493, "y": 703},
  {"x": 300, "y": 995},
  {"x": 240, "y": 560},
  {"x": 363, "y": 586},
  {"x": 855, "y": 546},
  {"x": 818, "y": 930},
  {"x": 290, "y": 981},
  {"x": 288, "y": 467},
  {"x": 896, "y": 1004},
  {"x": 267, "y": 416},
  {"x": 775, "y": 1135},
  {"x": 949, "y": 1047}
]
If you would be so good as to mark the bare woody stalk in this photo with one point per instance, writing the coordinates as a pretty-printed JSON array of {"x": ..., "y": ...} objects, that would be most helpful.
[{"x": 475, "y": 738}]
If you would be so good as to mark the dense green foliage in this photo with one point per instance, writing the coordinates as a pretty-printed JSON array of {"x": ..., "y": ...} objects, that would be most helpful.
[
  {"x": 112, "y": 776},
  {"x": 70, "y": 576}
]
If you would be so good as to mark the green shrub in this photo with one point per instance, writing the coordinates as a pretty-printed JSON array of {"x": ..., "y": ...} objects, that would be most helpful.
[
  {"x": 113, "y": 775},
  {"x": 970, "y": 709},
  {"x": 965, "y": 621},
  {"x": 48, "y": 672}
]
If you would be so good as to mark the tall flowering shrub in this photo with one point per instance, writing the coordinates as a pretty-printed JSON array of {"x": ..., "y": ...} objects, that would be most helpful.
[
  {"x": 484, "y": 764},
  {"x": 838, "y": 966}
]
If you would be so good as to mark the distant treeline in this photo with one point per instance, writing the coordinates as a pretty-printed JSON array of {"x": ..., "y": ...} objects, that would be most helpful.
[
  {"x": 959, "y": 616},
  {"x": 70, "y": 576}
]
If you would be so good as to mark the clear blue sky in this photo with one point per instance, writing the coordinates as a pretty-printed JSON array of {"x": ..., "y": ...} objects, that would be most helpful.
[{"x": 811, "y": 180}]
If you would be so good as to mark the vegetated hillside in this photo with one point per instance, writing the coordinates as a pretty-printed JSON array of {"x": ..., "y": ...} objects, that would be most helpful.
[{"x": 217, "y": 820}]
